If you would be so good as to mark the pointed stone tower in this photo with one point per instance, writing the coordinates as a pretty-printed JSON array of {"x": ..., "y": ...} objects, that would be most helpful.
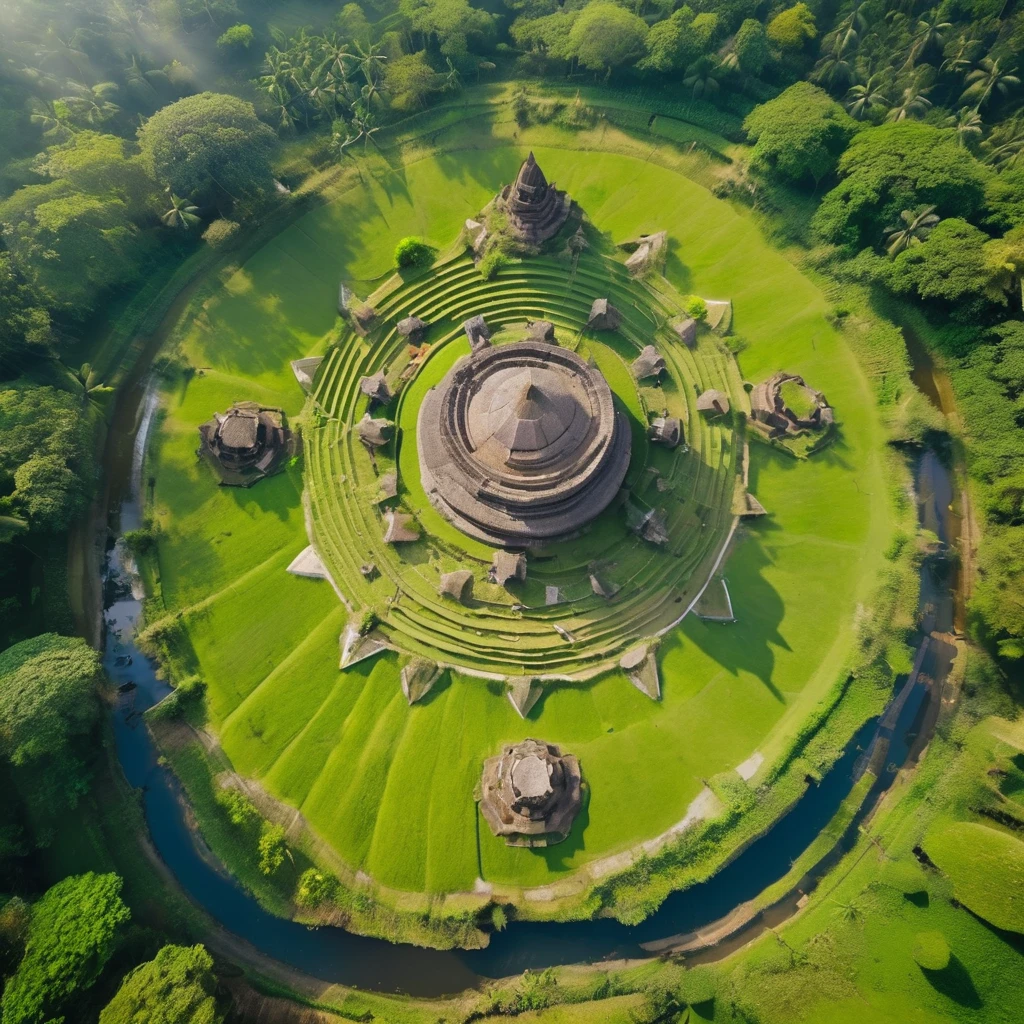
[{"x": 536, "y": 210}]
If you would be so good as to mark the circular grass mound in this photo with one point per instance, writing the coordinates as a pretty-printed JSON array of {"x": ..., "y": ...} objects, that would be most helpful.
[{"x": 584, "y": 601}]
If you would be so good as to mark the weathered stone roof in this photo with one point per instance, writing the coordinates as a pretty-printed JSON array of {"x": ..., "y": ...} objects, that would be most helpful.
[
  {"x": 648, "y": 364},
  {"x": 411, "y": 325},
  {"x": 376, "y": 387},
  {"x": 478, "y": 332},
  {"x": 603, "y": 316},
  {"x": 521, "y": 444},
  {"x": 641, "y": 668},
  {"x": 666, "y": 430},
  {"x": 530, "y": 793},
  {"x": 541, "y": 330},
  {"x": 247, "y": 443},
  {"x": 506, "y": 565},
  {"x": 374, "y": 433},
  {"x": 418, "y": 677}
]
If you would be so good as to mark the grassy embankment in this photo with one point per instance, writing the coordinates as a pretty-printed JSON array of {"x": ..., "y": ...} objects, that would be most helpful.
[{"x": 265, "y": 643}]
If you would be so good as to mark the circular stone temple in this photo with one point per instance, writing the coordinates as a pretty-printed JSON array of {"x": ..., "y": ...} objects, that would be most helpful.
[
  {"x": 521, "y": 444},
  {"x": 530, "y": 793}
]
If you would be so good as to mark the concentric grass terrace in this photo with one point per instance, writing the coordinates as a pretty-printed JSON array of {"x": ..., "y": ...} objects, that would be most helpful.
[
  {"x": 496, "y": 635},
  {"x": 386, "y": 789}
]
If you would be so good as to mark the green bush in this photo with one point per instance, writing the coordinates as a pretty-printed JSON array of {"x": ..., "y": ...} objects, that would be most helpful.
[
  {"x": 315, "y": 888},
  {"x": 696, "y": 308},
  {"x": 931, "y": 951},
  {"x": 238, "y": 37},
  {"x": 413, "y": 252},
  {"x": 492, "y": 263},
  {"x": 272, "y": 847}
]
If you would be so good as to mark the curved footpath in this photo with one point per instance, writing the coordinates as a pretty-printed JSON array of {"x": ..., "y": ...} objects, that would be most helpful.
[{"x": 334, "y": 955}]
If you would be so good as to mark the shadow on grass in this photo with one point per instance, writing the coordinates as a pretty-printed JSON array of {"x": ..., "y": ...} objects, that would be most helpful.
[
  {"x": 557, "y": 857},
  {"x": 954, "y": 982}
]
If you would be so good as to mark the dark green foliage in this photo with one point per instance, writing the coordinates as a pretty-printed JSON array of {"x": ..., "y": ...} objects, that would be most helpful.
[
  {"x": 751, "y": 47},
  {"x": 238, "y": 37},
  {"x": 413, "y": 252},
  {"x": 176, "y": 987},
  {"x": 44, "y": 455},
  {"x": 211, "y": 149},
  {"x": 71, "y": 936},
  {"x": 1004, "y": 199},
  {"x": 896, "y": 167},
  {"x": 660, "y": 1006},
  {"x": 800, "y": 134},
  {"x": 606, "y": 36},
  {"x": 25, "y": 330},
  {"x": 48, "y": 703},
  {"x": 948, "y": 266}
]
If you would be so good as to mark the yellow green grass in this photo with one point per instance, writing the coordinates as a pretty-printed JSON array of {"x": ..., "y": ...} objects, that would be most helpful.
[{"x": 389, "y": 787}]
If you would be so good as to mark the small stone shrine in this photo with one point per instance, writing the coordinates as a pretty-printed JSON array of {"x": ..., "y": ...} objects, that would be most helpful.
[
  {"x": 247, "y": 443},
  {"x": 531, "y": 793},
  {"x": 536, "y": 210},
  {"x": 784, "y": 404}
]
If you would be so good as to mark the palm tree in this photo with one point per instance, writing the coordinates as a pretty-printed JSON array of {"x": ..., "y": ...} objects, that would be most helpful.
[
  {"x": 54, "y": 116},
  {"x": 963, "y": 55},
  {"x": 452, "y": 80},
  {"x": 915, "y": 228},
  {"x": 930, "y": 31},
  {"x": 87, "y": 380},
  {"x": 362, "y": 128},
  {"x": 182, "y": 213},
  {"x": 863, "y": 98},
  {"x": 988, "y": 78},
  {"x": 836, "y": 66},
  {"x": 967, "y": 123},
  {"x": 92, "y": 103},
  {"x": 703, "y": 77},
  {"x": 912, "y": 104},
  {"x": 371, "y": 63},
  {"x": 1004, "y": 146}
]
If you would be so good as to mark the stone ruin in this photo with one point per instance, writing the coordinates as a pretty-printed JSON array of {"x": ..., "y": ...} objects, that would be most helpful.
[
  {"x": 376, "y": 388},
  {"x": 541, "y": 330},
  {"x": 411, "y": 327},
  {"x": 457, "y": 585},
  {"x": 603, "y": 316},
  {"x": 648, "y": 252},
  {"x": 685, "y": 330},
  {"x": 531, "y": 793},
  {"x": 506, "y": 566},
  {"x": 521, "y": 444},
  {"x": 374, "y": 433},
  {"x": 769, "y": 408},
  {"x": 536, "y": 210},
  {"x": 478, "y": 332},
  {"x": 247, "y": 443}
]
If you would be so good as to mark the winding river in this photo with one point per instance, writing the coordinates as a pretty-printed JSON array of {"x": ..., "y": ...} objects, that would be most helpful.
[{"x": 334, "y": 955}]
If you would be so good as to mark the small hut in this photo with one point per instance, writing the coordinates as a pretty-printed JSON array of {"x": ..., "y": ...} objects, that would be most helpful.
[
  {"x": 412, "y": 327},
  {"x": 686, "y": 331},
  {"x": 603, "y": 316},
  {"x": 648, "y": 364},
  {"x": 506, "y": 566},
  {"x": 649, "y": 253},
  {"x": 531, "y": 793},
  {"x": 399, "y": 528},
  {"x": 374, "y": 433},
  {"x": 456, "y": 585},
  {"x": 541, "y": 330},
  {"x": 376, "y": 388},
  {"x": 478, "y": 332},
  {"x": 666, "y": 430},
  {"x": 713, "y": 402},
  {"x": 247, "y": 443}
]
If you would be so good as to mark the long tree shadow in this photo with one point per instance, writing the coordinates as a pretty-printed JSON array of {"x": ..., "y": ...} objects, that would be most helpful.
[
  {"x": 746, "y": 645},
  {"x": 954, "y": 982}
]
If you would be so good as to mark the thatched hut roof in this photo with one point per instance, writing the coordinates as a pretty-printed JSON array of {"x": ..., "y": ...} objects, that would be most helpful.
[
  {"x": 648, "y": 364},
  {"x": 399, "y": 528},
  {"x": 714, "y": 402},
  {"x": 456, "y": 585},
  {"x": 686, "y": 331},
  {"x": 418, "y": 677}
]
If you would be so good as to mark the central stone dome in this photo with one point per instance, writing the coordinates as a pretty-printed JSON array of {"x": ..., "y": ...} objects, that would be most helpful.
[{"x": 520, "y": 444}]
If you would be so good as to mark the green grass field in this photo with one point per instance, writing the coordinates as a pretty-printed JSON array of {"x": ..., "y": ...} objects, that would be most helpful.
[{"x": 391, "y": 787}]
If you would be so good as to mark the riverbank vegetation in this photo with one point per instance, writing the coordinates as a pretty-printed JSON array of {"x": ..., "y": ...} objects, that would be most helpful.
[{"x": 148, "y": 145}]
